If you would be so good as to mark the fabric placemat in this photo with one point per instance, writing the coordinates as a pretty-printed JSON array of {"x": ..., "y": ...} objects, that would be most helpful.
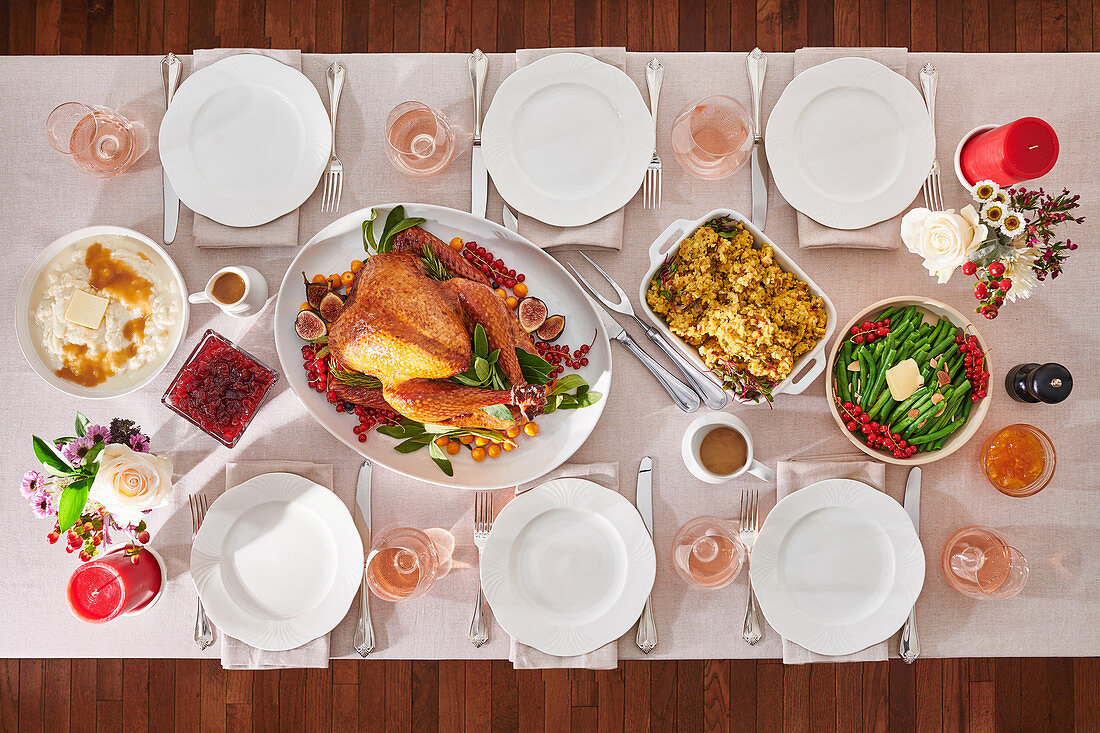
[
  {"x": 282, "y": 232},
  {"x": 885, "y": 234},
  {"x": 605, "y": 233},
  {"x": 607, "y": 656},
  {"x": 235, "y": 653},
  {"x": 795, "y": 475}
]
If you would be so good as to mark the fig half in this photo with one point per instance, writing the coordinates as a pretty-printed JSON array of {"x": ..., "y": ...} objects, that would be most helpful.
[
  {"x": 315, "y": 292},
  {"x": 331, "y": 306},
  {"x": 531, "y": 313},
  {"x": 310, "y": 326},
  {"x": 551, "y": 329}
]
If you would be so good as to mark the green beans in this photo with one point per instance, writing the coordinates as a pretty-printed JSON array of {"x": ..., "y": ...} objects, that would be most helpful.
[{"x": 941, "y": 433}]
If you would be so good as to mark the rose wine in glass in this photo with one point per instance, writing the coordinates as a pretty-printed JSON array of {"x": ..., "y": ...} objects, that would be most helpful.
[
  {"x": 707, "y": 552},
  {"x": 711, "y": 137},
  {"x": 402, "y": 565},
  {"x": 420, "y": 141},
  {"x": 95, "y": 139},
  {"x": 979, "y": 562}
]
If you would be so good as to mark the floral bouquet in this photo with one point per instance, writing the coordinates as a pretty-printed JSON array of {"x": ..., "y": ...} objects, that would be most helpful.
[
  {"x": 997, "y": 243},
  {"x": 101, "y": 480}
]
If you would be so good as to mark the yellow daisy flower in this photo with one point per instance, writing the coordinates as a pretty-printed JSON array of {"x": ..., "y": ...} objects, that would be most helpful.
[{"x": 993, "y": 212}]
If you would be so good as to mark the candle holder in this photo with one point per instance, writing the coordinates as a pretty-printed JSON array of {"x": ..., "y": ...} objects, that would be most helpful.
[{"x": 962, "y": 144}]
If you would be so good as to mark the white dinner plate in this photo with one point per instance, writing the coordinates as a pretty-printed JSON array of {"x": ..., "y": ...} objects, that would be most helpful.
[
  {"x": 567, "y": 139},
  {"x": 837, "y": 566},
  {"x": 568, "y": 567},
  {"x": 850, "y": 143},
  {"x": 277, "y": 561},
  {"x": 245, "y": 140},
  {"x": 560, "y": 433}
]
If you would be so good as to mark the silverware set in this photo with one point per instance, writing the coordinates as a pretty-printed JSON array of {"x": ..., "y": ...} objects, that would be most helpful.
[
  {"x": 483, "y": 522},
  {"x": 204, "y": 635},
  {"x": 712, "y": 395},
  {"x": 933, "y": 191},
  {"x": 651, "y": 189},
  {"x": 749, "y": 525},
  {"x": 334, "y": 176}
]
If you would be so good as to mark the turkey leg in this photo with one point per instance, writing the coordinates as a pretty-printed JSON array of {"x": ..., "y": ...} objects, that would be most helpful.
[
  {"x": 435, "y": 401},
  {"x": 413, "y": 240}
]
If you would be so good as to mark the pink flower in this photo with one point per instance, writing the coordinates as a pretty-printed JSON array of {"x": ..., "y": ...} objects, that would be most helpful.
[
  {"x": 42, "y": 504},
  {"x": 33, "y": 482},
  {"x": 98, "y": 433},
  {"x": 140, "y": 443},
  {"x": 75, "y": 450}
]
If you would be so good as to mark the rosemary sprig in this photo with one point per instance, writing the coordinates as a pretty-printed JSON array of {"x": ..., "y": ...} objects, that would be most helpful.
[
  {"x": 434, "y": 269},
  {"x": 352, "y": 379}
]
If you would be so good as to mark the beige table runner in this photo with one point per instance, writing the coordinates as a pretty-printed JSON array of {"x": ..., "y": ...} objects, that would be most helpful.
[{"x": 1053, "y": 529}]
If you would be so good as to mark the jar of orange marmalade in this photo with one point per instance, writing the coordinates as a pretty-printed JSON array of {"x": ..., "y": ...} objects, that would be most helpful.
[{"x": 1018, "y": 460}]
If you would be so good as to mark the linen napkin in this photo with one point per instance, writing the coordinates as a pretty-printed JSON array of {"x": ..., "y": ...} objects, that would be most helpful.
[
  {"x": 235, "y": 653},
  {"x": 885, "y": 234},
  {"x": 793, "y": 475},
  {"x": 605, "y": 233},
  {"x": 282, "y": 232},
  {"x": 607, "y": 656}
]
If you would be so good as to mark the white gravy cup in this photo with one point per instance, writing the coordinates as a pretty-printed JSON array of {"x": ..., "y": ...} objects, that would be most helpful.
[
  {"x": 249, "y": 304},
  {"x": 693, "y": 438}
]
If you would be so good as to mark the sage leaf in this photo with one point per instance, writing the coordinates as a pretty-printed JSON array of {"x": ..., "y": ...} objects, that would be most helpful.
[{"x": 81, "y": 425}]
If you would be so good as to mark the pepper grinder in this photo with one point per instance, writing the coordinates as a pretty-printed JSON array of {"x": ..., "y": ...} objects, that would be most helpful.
[{"x": 1049, "y": 383}]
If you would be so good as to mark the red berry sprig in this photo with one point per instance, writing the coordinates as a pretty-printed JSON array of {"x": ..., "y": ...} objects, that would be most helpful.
[
  {"x": 869, "y": 331},
  {"x": 974, "y": 363},
  {"x": 561, "y": 356},
  {"x": 873, "y": 434},
  {"x": 499, "y": 273},
  {"x": 991, "y": 286}
]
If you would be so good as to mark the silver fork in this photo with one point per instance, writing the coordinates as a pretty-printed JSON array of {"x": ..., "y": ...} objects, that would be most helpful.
[
  {"x": 712, "y": 395},
  {"x": 651, "y": 191},
  {"x": 483, "y": 522},
  {"x": 749, "y": 524},
  {"x": 334, "y": 179},
  {"x": 933, "y": 191},
  {"x": 204, "y": 636}
]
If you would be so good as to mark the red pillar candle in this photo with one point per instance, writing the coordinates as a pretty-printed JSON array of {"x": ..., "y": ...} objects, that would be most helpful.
[
  {"x": 103, "y": 589},
  {"x": 1019, "y": 151}
]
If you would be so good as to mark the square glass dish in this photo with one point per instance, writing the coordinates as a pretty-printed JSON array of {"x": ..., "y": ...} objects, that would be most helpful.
[{"x": 219, "y": 388}]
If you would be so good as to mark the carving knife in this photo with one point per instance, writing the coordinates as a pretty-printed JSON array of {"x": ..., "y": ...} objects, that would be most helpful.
[
  {"x": 757, "y": 65},
  {"x": 684, "y": 396},
  {"x": 364, "y": 630},
  {"x": 909, "y": 646},
  {"x": 647, "y": 628},
  {"x": 479, "y": 176},
  {"x": 170, "y": 68}
]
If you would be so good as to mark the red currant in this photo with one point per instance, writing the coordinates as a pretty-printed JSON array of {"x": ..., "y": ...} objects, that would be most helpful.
[
  {"x": 997, "y": 269},
  {"x": 969, "y": 268}
]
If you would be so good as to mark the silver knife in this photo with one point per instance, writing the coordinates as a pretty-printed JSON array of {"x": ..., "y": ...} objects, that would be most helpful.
[
  {"x": 684, "y": 396},
  {"x": 479, "y": 177},
  {"x": 909, "y": 647},
  {"x": 364, "y": 631},
  {"x": 647, "y": 629},
  {"x": 171, "y": 71},
  {"x": 757, "y": 65}
]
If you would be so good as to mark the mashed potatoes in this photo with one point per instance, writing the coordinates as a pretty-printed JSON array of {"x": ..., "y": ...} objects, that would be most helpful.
[
  {"x": 140, "y": 323},
  {"x": 733, "y": 302}
]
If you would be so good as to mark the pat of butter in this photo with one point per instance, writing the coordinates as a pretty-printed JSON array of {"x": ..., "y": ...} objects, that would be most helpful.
[
  {"x": 86, "y": 309},
  {"x": 904, "y": 379}
]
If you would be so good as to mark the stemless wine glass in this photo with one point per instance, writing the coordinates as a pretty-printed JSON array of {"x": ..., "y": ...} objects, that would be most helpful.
[
  {"x": 708, "y": 552},
  {"x": 95, "y": 139},
  {"x": 420, "y": 141},
  {"x": 711, "y": 137},
  {"x": 402, "y": 564},
  {"x": 979, "y": 562}
]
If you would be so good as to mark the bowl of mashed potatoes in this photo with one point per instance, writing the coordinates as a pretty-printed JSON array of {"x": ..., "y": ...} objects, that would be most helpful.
[
  {"x": 738, "y": 307},
  {"x": 101, "y": 312}
]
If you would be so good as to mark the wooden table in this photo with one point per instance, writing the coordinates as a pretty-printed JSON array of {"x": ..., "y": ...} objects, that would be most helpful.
[{"x": 959, "y": 694}]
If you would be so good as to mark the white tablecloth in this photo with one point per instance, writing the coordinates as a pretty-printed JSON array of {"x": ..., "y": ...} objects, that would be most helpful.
[{"x": 1057, "y": 614}]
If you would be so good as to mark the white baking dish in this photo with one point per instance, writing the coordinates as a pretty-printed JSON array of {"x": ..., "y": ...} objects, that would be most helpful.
[{"x": 808, "y": 366}]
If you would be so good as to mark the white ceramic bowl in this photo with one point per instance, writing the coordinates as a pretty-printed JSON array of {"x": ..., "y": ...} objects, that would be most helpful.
[
  {"x": 23, "y": 315},
  {"x": 977, "y": 414},
  {"x": 808, "y": 366}
]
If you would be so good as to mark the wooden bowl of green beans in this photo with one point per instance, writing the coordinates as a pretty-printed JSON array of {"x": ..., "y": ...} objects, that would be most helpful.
[{"x": 938, "y": 418}]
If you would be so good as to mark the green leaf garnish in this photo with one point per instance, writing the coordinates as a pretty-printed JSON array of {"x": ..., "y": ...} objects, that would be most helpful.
[
  {"x": 81, "y": 425},
  {"x": 50, "y": 458},
  {"x": 71, "y": 506}
]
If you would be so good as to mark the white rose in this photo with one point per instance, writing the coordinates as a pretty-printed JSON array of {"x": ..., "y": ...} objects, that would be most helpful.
[
  {"x": 128, "y": 483},
  {"x": 943, "y": 238}
]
